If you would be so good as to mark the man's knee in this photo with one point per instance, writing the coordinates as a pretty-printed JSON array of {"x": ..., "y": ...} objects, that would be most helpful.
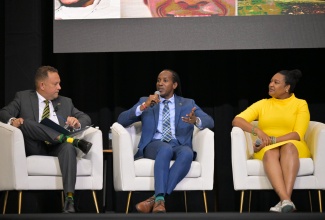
[
  {"x": 67, "y": 149},
  {"x": 166, "y": 152},
  {"x": 187, "y": 154}
]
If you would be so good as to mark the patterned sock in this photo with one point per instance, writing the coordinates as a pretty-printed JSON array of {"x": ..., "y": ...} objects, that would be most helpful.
[
  {"x": 70, "y": 139},
  {"x": 63, "y": 138},
  {"x": 69, "y": 195},
  {"x": 160, "y": 196}
]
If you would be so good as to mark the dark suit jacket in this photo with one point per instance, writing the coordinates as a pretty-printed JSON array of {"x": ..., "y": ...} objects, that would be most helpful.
[
  {"x": 149, "y": 118},
  {"x": 25, "y": 105}
]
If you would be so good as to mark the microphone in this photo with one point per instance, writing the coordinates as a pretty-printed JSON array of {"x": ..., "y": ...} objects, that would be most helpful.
[
  {"x": 56, "y": 108},
  {"x": 153, "y": 102},
  {"x": 258, "y": 142}
]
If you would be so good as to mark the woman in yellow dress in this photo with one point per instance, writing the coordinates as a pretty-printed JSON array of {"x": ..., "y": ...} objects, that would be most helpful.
[{"x": 282, "y": 124}]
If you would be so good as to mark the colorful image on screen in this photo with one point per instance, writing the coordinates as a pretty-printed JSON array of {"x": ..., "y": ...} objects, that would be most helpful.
[{"x": 104, "y": 9}]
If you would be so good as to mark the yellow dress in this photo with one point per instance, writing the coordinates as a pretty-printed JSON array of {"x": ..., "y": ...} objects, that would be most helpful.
[{"x": 277, "y": 117}]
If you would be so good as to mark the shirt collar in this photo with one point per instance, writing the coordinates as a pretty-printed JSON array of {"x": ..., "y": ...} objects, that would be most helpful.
[
  {"x": 172, "y": 99},
  {"x": 41, "y": 99}
]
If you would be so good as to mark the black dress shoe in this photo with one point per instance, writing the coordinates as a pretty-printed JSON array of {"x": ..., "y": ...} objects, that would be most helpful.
[
  {"x": 83, "y": 145},
  {"x": 68, "y": 206}
]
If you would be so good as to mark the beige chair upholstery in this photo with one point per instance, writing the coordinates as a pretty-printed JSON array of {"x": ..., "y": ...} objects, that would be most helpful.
[
  {"x": 130, "y": 175},
  {"x": 248, "y": 173},
  {"x": 18, "y": 172}
]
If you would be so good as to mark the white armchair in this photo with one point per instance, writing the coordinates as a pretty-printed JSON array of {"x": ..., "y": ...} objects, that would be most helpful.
[
  {"x": 18, "y": 172},
  {"x": 130, "y": 175},
  {"x": 248, "y": 173}
]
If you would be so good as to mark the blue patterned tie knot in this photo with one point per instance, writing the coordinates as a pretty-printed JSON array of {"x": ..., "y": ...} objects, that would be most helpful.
[{"x": 166, "y": 131}]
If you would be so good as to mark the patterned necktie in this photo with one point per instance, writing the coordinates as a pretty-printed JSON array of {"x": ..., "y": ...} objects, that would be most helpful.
[
  {"x": 166, "y": 131},
  {"x": 46, "y": 111}
]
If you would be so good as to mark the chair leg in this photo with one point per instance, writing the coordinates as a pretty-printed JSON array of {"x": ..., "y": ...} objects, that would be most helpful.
[
  {"x": 320, "y": 201},
  {"x": 205, "y": 202},
  {"x": 241, "y": 201},
  {"x": 250, "y": 199},
  {"x": 95, "y": 200},
  {"x": 310, "y": 202},
  {"x": 20, "y": 195},
  {"x": 185, "y": 201},
  {"x": 5, "y": 203},
  {"x": 128, "y": 202},
  {"x": 62, "y": 199}
]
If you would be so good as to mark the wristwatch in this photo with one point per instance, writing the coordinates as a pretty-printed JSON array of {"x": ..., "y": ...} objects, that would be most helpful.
[
  {"x": 11, "y": 120},
  {"x": 197, "y": 121}
]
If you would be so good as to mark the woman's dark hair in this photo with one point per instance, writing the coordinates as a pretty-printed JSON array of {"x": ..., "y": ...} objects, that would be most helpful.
[
  {"x": 178, "y": 90},
  {"x": 291, "y": 77}
]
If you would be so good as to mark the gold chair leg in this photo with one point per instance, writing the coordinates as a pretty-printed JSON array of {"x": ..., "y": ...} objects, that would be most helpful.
[
  {"x": 320, "y": 201},
  {"x": 62, "y": 199},
  {"x": 5, "y": 203},
  {"x": 241, "y": 201},
  {"x": 250, "y": 198},
  {"x": 185, "y": 201},
  {"x": 128, "y": 202},
  {"x": 205, "y": 202},
  {"x": 95, "y": 200},
  {"x": 310, "y": 202},
  {"x": 20, "y": 195}
]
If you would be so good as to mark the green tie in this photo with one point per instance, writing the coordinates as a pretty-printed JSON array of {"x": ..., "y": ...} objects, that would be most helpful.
[{"x": 46, "y": 111}]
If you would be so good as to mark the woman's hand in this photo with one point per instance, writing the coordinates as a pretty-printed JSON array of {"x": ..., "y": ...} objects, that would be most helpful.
[
  {"x": 257, "y": 148},
  {"x": 265, "y": 139}
]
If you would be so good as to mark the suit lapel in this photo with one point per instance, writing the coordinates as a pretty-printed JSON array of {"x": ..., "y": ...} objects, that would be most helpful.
[
  {"x": 178, "y": 108},
  {"x": 34, "y": 103},
  {"x": 156, "y": 114},
  {"x": 58, "y": 110}
]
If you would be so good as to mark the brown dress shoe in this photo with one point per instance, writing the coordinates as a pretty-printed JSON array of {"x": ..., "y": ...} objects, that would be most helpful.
[
  {"x": 146, "y": 205},
  {"x": 159, "y": 207}
]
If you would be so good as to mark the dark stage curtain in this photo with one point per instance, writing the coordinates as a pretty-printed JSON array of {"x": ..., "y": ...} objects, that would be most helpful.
[{"x": 223, "y": 83}]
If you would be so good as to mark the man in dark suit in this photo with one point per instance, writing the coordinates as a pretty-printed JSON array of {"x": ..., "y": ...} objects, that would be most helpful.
[
  {"x": 168, "y": 122},
  {"x": 26, "y": 111}
]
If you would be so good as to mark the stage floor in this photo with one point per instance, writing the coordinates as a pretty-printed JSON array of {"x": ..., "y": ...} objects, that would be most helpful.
[{"x": 172, "y": 216}]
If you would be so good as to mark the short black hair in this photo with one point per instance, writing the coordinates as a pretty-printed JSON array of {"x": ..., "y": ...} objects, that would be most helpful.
[
  {"x": 291, "y": 77},
  {"x": 178, "y": 90}
]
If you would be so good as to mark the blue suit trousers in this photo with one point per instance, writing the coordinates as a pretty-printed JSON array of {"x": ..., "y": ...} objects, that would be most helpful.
[{"x": 166, "y": 177}]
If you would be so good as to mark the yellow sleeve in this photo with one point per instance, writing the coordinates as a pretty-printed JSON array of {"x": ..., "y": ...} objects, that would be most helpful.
[
  {"x": 252, "y": 112},
  {"x": 303, "y": 118}
]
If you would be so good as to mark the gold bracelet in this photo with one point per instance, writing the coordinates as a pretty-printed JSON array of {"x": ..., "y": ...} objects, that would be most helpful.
[
  {"x": 273, "y": 139},
  {"x": 253, "y": 130}
]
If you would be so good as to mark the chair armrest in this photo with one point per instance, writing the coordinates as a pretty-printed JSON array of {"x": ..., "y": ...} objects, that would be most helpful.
[
  {"x": 123, "y": 157},
  {"x": 315, "y": 141},
  {"x": 203, "y": 144},
  {"x": 13, "y": 163},
  {"x": 95, "y": 154},
  {"x": 239, "y": 157}
]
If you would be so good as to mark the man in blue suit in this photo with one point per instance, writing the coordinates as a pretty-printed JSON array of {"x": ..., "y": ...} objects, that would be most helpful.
[{"x": 165, "y": 140}]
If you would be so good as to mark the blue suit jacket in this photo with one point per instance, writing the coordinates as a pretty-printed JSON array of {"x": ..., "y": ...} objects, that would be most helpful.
[{"x": 149, "y": 119}]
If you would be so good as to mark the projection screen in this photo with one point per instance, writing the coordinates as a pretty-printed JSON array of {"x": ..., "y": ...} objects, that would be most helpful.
[{"x": 145, "y": 25}]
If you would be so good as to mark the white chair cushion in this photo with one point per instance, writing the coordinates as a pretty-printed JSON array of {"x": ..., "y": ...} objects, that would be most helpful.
[
  {"x": 49, "y": 166},
  {"x": 135, "y": 136},
  {"x": 145, "y": 168},
  {"x": 255, "y": 167}
]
